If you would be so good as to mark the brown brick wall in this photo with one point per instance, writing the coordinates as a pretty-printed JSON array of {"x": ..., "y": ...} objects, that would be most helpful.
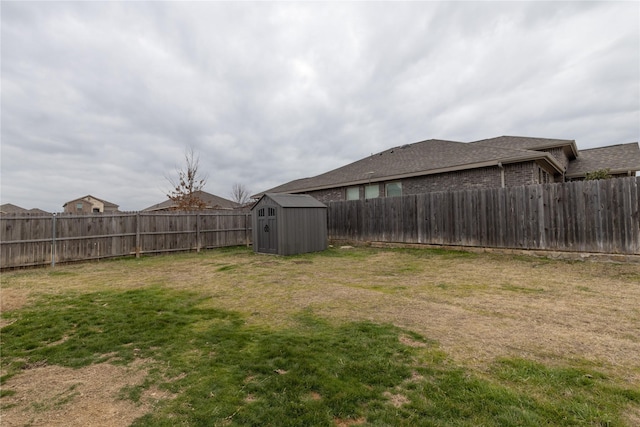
[
  {"x": 475, "y": 178},
  {"x": 521, "y": 174},
  {"x": 331, "y": 195},
  {"x": 560, "y": 156}
]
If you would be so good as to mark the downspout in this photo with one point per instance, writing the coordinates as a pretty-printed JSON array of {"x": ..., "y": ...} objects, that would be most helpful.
[{"x": 501, "y": 174}]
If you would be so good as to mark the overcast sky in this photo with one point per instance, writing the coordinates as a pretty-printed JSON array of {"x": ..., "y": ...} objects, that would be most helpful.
[{"x": 103, "y": 98}]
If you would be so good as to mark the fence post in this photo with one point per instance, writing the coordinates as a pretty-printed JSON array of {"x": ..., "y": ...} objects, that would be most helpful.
[
  {"x": 198, "y": 232},
  {"x": 53, "y": 241},
  {"x": 246, "y": 229},
  {"x": 137, "y": 234}
]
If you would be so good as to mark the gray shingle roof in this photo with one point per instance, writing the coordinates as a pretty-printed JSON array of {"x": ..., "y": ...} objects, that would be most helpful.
[
  {"x": 420, "y": 158},
  {"x": 212, "y": 201},
  {"x": 524, "y": 142},
  {"x": 619, "y": 158}
]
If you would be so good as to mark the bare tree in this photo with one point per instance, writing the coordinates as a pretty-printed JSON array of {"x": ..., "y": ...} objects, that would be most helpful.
[
  {"x": 189, "y": 182},
  {"x": 240, "y": 194}
]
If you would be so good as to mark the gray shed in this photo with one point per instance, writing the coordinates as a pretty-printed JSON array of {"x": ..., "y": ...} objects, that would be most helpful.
[{"x": 289, "y": 224}]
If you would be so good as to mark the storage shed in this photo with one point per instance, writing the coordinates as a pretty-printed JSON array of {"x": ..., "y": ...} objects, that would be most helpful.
[{"x": 289, "y": 224}]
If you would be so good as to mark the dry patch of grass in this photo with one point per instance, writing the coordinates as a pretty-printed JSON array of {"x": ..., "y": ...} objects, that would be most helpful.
[
  {"x": 11, "y": 299},
  {"x": 58, "y": 396}
]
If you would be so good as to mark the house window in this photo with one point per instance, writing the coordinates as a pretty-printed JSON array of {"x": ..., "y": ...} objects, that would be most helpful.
[
  {"x": 543, "y": 176},
  {"x": 261, "y": 212},
  {"x": 353, "y": 193},
  {"x": 371, "y": 191},
  {"x": 393, "y": 189},
  {"x": 79, "y": 206},
  {"x": 96, "y": 210}
]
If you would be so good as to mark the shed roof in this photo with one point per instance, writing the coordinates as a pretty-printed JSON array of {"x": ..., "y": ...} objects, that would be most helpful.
[{"x": 292, "y": 200}]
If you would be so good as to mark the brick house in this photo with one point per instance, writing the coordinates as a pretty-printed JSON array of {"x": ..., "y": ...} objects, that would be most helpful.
[
  {"x": 438, "y": 165},
  {"x": 89, "y": 204}
]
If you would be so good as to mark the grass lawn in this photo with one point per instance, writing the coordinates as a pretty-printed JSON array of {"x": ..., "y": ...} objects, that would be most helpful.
[{"x": 345, "y": 337}]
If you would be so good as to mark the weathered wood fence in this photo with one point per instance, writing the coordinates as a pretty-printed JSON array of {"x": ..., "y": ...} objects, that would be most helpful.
[
  {"x": 29, "y": 240},
  {"x": 586, "y": 216}
]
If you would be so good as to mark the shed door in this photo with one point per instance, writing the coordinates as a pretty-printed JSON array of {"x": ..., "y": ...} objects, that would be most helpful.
[{"x": 267, "y": 230}]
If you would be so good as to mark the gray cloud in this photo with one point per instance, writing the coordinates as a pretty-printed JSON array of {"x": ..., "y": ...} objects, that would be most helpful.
[{"x": 103, "y": 98}]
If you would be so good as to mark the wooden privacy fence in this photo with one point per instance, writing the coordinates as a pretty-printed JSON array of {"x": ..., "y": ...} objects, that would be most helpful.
[
  {"x": 29, "y": 240},
  {"x": 585, "y": 216}
]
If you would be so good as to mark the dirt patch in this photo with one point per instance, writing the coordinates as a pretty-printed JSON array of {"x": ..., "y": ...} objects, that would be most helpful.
[
  {"x": 12, "y": 299},
  {"x": 397, "y": 400},
  {"x": 89, "y": 396},
  {"x": 315, "y": 396},
  {"x": 410, "y": 342},
  {"x": 339, "y": 422}
]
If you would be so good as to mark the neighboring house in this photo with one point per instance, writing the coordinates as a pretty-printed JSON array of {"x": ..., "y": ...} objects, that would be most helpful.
[
  {"x": 89, "y": 204},
  {"x": 8, "y": 208},
  {"x": 212, "y": 201},
  {"x": 438, "y": 165}
]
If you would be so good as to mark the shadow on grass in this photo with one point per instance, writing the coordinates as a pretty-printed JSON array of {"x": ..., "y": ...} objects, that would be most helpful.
[{"x": 316, "y": 373}]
